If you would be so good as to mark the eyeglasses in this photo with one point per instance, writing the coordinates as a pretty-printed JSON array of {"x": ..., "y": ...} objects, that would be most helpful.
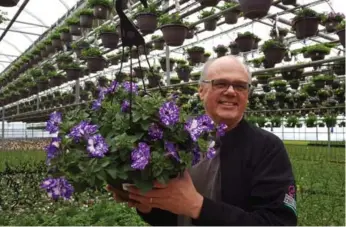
[{"x": 223, "y": 85}]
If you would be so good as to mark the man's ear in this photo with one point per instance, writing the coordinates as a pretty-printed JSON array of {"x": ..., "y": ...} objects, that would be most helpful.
[{"x": 201, "y": 92}]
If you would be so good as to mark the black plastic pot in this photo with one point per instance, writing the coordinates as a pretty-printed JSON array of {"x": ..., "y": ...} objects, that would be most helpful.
[
  {"x": 146, "y": 22},
  {"x": 73, "y": 74},
  {"x": 154, "y": 81},
  {"x": 86, "y": 21},
  {"x": 66, "y": 37},
  {"x": 234, "y": 50},
  {"x": 315, "y": 56},
  {"x": 207, "y": 3},
  {"x": 289, "y": 2},
  {"x": 101, "y": 12},
  {"x": 245, "y": 43},
  {"x": 331, "y": 26},
  {"x": 196, "y": 56},
  {"x": 55, "y": 81},
  {"x": 43, "y": 85},
  {"x": 8, "y": 3},
  {"x": 341, "y": 34},
  {"x": 190, "y": 33},
  {"x": 231, "y": 17},
  {"x": 57, "y": 43},
  {"x": 50, "y": 49},
  {"x": 75, "y": 30},
  {"x": 95, "y": 64},
  {"x": 255, "y": 9},
  {"x": 210, "y": 25},
  {"x": 163, "y": 66},
  {"x": 44, "y": 53},
  {"x": 306, "y": 27},
  {"x": 159, "y": 44},
  {"x": 274, "y": 55},
  {"x": 174, "y": 34},
  {"x": 294, "y": 84},
  {"x": 110, "y": 39},
  {"x": 184, "y": 74}
]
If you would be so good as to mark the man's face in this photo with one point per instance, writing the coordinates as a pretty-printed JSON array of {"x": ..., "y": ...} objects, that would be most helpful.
[{"x": 222, "y": 101}]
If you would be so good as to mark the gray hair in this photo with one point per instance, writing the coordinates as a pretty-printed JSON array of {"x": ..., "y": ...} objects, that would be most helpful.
[{"x": 204, "y": 72}]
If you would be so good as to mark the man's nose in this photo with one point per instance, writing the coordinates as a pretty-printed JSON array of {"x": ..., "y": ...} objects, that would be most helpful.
[{"x": 230, "y": 90}]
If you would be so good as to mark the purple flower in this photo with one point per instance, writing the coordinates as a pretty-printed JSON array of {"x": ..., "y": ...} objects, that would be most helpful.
[
  {"x": 53, "y": 123},
  {"x": 57, "y": 188},
  {"x": 221, "y": 129},
  {"x": 96, "y": 104},
  {"x": 171, "y": 150},
  {"x": 125, "y": 106},
  {"x": 169, "y": 113},
  {"x": 127, "y": 86},
  {"x": 197, "y": 126},
  {"x": 97, "y": 146},
  {"x": 206, "y": 123},
  {"x": 211, "y": 150},
  {"x": 140, "y": 156},
  {"x": 83, "y": 130},
  {"x": 52, "y": 149},
  {"x": 196, "y": 152},
  {"x": 112, "y": 88},
  {"x": 155, "y": 132}
]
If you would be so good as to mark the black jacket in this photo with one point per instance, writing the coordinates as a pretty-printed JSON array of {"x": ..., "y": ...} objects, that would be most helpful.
[{"x": 257, "y": 183}]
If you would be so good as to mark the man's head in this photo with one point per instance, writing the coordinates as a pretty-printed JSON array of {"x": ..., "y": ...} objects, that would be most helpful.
[{"x": 224, "y": 89}]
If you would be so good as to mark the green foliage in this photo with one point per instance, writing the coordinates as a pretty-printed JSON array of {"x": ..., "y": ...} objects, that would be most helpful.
[
  {"x": 152, "y": 8},
  {"x": 3, "y": 17},
  {"x": 92, "y": 52},
  {"x": 105, "y": 3},
  {"x": 272, "y": 43},
  {"x": 64, "y": 58},
  {"x": 106, "y": 28},
  {"x": 195, "y": 49},
  {"x": 341, "y": 26},
  {"x": 72, "y": 21},
  {"x": 228, "y": 5},
  {"x": 64, "y": 29},
  {"x": 220, "y": 48},
  {"x": 320, "y": 48},
  {"x": 306, "y": 12},
  {"x": 173, "y": 18},
  {"x": 246, "y": 34},
  {"x": 85, "y": 11},
  {"x": 208, "y": 13}
]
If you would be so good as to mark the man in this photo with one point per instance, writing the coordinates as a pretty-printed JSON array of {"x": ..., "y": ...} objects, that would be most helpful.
[{"x": 249, "y": 183}]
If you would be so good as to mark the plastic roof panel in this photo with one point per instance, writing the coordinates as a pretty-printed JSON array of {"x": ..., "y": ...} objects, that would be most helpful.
[{"x": 37, "y": 17}]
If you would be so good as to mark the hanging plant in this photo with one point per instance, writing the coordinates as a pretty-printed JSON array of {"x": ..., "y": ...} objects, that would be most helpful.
[
  {"x": 317, "y": 52},
  {"x": 234, "y": 48},
  {"x": 305, "y": 24},
  {"x": 183, "y": 72},
  {"x": 294, "y": 84},
  {"x": 56, "y": 40},
  {"x": 120, "y": 76},
  {"x": 232, "y": 14},
  {"x": 173, "y": 29},
  {"x": 274, "y": 51},
  {"x": 280, "y": 85},
  {"x": 340, "y": 94},
  {"x": 270, "y": 99},
  {"x": 109, "y": 36},
  {"x": 73, "y": 71},
  {"x": 196, "y": 54},
  {"x": 158, "y": 41},
  {"x": 146, "y": 50},
  {"x": 49, "y": 46},
  {"x": 42, "y": 83},
  {"x": 163, "y": 64},
  {"x": 245, "y": 41},
  {"x": 8, "y": 3},
  {"x": 154, "y": 78},
  {"x": 208, "y": 3},
  {"x": 282, "y": 33},
  {"x": 209, "y": 24},
  {"x": 321, "y": 80},
  {"x": 56, "y": 79},
  {"x": 95, "y": 60},
  {"x": 330, "y": 120},
  {"x": 206, "y": 56},
  {"x": 339, "y": 68},
  {"x": 79, "y": 46},
  {"x": 220, "y": 50},
  {"x": 323, "y": 94},
  {"x": 191, "y": 30},
  {"x": 255, "y": 9},
  {"x": 74, "y": 27},
  {"x": 62, "y": 60},
  {"x": 340, "y": 31},
  {"x": 86, "y": 17},
  {"x": 335, "y": 84},
  {"x": 101, "y": 8},
  {"x": 103, "y": 81},
  {"x": 289, "y": 2},
  {"x": 294, "y": 74},
  {"x": 195, "y": 76},
  {"x": 263, "y": 78},
  {"x": 146, "y": 18},
  {"x": 113, "y": 59},
  {"x": 256, "y": 41},
  {"x": 65, "y": 34},
  {"x": 174, "y": 80},
  {"x": 331, "y": 20}
]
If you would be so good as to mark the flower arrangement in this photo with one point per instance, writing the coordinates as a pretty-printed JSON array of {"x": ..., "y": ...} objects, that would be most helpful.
[{"x": 126, "y": 137}]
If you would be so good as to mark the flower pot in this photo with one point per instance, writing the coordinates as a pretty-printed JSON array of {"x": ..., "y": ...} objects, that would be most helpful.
[
  {"x": 66, "y": 37},
  {"x": 294, "y": 84},
  {"x": 50, "y": 49},
  {"x": 255, "y": 45},
  {"x": 102, "y": 82},
  {"x": 221, "y": 53},
  {"x": 210, "y": 25},
  {"x": 245, "y": 43},
  {"x": 163, "y": 66},
  {"x": 101, "y": 12},
  {"x": 315, "y": 56},
  {"x": 231, "y": 17},
  {"x": 75, "y": 30},
  {"x": 42, "y": 85},
  {"x": 95, "y": 64},
  {"x": 339, "y": 68},
  {"x": 159, "y": 44},
  {"x": 86, "y": 21},
  {"x": 57, "y": 43},
  {"x": 73, "y": 74},
  {"x": 8, "y": 3},
  {"x": 341, "y": 34},
  {"x": 44, "y": 53},
  {"x": 255, "y": 9},
  {"x": 234, "y": 50},
  {"x": 183, "y": 74},
  {"x": 174, "y": 34},
  {"x": 114, "y": 61},
  {"x": 331, "y": 26},
  {"x": 306, "y": 27},
  {"x": 110, "y": 39},
  {"x": 196, "y": 56},
  {"x": 319, "y": 83},
  {"x": 154, "y": 81},
  {"x": 274, "y": 55},
  {"x": 56, "y": 81},
  {"x": 190, "y": 33},
  {"x": 207, "y": 3},
  {"x": 289, "y": 2},
  {"x": 146, "y": 22}
]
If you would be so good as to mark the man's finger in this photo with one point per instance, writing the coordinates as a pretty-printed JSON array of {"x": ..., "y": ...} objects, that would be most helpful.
[
  {"x": 156, "y": 193},
  {"x": 159, "y": 185}
]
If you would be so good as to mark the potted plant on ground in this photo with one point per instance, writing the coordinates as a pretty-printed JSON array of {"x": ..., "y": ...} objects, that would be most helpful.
[
  {"x": 147, "y": 18},
  {"x": 255, "y": 9},
  {"x": 101, "y": 8},
  {"x": 109, "y": 36},
  {"x": 305, "y": 24},
  {"x": 274, "y": 51},
  {"x": 196, "y": 54},
  {"x": 86, "y": 17},
  {"x": 73, "y": 71},
  {"x": 95, "y": 60},
  {"x": 220, "y": 50},
  {"x": 173, "y": 29},
  {"x": 158, "y": 41},
  {"x": 340, "y": 31},
  {"x": 331, "y": 20},
  {"x": 232, "y": 14},
  {"x": 209, "y": 24},
  {"x": 74, "y": 26},
  {"x": 245, "y": 41},
  {"x": 317, "y": 52}
]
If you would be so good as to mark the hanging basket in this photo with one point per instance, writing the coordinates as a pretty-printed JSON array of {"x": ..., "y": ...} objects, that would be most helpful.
[
  {"x": 306, "y": 27},
  {"x": 95, "y": 64},
  {"x": 146, "y": 22},
  {"x": 174, "y": 34},
  {"x": 159, "y": 44},
  {"x": 210, "y": 25},
  {"x": 331, "y": 26},
  {"x": 196, "y": 56},
  {"x": 56, "y": 81},
  {"x": 183, "y": 74},
  {"x": 86, "y": 21},
  {"x": 42, "y": 85},
  {"x": 255, "y": 9},
  {"x": 231, "y": 17},
  {"x": 75, "y": 30},
  {"x": 110, "y": 39},
  {"x": 274, "y": 55},
  {"x": 289, "y": 2},
  {"x": 66, "y": 36},
  {"x": 73, "y": 74},
  {"x": 234, "y": 50},
  {"x": 190, "y": 33},
  {"x": 50, "y": 49},
  {"x": 208, "y": 3},
  {"x": 316, "y": 55},
  {"x": 57, "y": 43},
  {"x": 8, "y": 3},
  {"x": 341, "y": 34},
  {"x": 245, "y": 43},
  {"x": 163, "y": 65},
  {"x": 44, "y": 53},
  {"x": 154, "y": 80},
  {"x": 101, "y": 12}
]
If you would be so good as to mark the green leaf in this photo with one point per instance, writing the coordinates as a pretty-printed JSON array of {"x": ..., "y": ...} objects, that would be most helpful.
[
  {"x": 101, "y": 175},
  {"x": 105, "y": 163},
  {"x": 145, "y": 125},
  {"x": 112, "y": 173},
  {"x": 144, "y": 186}
]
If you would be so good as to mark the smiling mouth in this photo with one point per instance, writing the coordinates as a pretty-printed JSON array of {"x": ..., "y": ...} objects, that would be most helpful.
[{"x": 227, "y": 103}]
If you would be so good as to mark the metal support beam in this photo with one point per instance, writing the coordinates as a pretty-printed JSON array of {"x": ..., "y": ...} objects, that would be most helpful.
[
  {"x": 32, "y": 24},
  {"x": 2, "y": 61},
  {"x": 3, "y": 123},
  {"x": 21, "y": 32},
  {"x": 9, "y": 55}
]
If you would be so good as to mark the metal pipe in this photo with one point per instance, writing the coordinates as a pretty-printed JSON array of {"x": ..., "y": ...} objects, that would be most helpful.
[
  {"x": 33, "y": 24},
  {"x": 22, "y": 32}
]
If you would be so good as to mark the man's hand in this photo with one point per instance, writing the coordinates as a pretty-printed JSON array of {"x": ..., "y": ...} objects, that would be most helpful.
[
  {"x": 141, "y": 207},
  {"x": 179, "y": 197}
]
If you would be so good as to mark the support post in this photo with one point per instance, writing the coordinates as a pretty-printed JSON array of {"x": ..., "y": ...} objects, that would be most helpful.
[
  {"x": 77, "y": 94},
  {"x": 3, "y": 123},
  {"x": 168, "y": 72}
]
